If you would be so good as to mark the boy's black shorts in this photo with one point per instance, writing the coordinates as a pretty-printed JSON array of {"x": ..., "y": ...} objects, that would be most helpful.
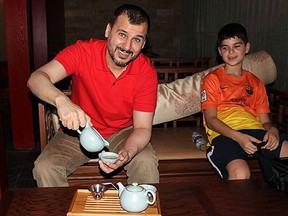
[{"x": 224, "y": 150}]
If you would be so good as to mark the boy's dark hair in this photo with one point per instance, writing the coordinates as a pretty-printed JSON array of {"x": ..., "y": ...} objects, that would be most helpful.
[
  {"x": 135, "y": 14},
  {"x": 232, "y": 30}
]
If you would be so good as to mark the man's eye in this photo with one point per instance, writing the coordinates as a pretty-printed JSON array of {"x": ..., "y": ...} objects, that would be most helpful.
[
  {"x": 121, "y": 34},
  {"x": 137, "y": 40}
]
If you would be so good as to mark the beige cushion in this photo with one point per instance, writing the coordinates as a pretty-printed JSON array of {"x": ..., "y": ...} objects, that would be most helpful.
[{"x": 181, "y": 97}]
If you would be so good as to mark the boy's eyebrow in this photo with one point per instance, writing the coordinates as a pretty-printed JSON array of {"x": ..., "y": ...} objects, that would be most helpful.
[{"x": 240, "y": 42}]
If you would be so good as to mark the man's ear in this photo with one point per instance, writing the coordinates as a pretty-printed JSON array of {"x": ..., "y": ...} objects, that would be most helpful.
[
  {"x": 107, "y": 30},
  {"x": 143, "y": 44},
  {"x": 247, "y": 47}
]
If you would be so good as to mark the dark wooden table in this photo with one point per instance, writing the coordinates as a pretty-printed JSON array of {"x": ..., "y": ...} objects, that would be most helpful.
[{"x": 200, "y": 197}]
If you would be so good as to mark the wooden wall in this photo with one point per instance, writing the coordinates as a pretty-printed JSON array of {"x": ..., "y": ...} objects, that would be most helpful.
[{"x": 189, "y": 28}]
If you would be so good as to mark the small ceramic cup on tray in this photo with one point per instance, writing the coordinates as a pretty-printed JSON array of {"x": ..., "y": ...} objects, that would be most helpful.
[{"x": 149, "y": 187}]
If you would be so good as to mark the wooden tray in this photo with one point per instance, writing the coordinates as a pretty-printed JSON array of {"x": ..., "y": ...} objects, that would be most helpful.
[{"x": 83, "y": 204}]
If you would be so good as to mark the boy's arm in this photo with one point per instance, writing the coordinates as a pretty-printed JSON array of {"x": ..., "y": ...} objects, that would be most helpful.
[{"x": 245, "y": 141}]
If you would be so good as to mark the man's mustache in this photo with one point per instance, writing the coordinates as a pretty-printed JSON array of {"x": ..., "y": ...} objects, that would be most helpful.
[{"x": 123, "y": 50}]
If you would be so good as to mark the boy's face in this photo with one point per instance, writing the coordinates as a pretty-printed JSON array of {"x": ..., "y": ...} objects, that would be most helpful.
[
  {"x": 233, "y": 51},
  {"x": 125, "y": 41}
]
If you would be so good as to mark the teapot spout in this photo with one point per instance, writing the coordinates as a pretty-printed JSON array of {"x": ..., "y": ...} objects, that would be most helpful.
[
  {"x": 120, "y": 188},
  {"x": 106, "y": 143}
]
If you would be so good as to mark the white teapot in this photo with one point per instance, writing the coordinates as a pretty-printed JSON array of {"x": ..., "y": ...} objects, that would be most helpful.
[
  {"x": 91, "y": 140},
  {"x": 134, "y": 198}
]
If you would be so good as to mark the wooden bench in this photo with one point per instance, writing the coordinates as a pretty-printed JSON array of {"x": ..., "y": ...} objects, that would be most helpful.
[
  {"x": 279, "y": 108},
  {"x": 179, "y": 160}
]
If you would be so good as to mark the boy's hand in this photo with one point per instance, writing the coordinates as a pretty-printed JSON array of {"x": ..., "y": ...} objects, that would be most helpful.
[
  {"x": 272, "y": 139},
  {"x": 246, "y": 142}
]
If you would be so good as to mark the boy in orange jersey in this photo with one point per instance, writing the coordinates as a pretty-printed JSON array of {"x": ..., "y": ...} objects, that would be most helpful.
[{"x": 236, "y": 110}]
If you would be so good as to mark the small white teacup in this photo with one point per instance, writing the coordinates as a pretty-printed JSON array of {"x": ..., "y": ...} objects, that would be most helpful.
[
  {"x": 149, "y": 187},
  {"x": 110, "y": 157}
]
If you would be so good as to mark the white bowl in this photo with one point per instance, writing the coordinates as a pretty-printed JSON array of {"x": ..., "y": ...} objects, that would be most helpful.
[
  {"x": 149, "y": 187},
  {"x": 108, "y": 157}
]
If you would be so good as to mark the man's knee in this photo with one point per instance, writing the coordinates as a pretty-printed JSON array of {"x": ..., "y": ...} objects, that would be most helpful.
[
  {"x": 42, "y": 169},
  {"x": 47, "y": 174},
  {"x": 147, "y": 158},
  {"x": 143, "y": 168}
]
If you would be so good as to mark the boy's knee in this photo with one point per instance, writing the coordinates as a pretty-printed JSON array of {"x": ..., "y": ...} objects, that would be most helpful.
[
  {"x": 238, "y": 174},
  {"x": 238, "y": 169}
]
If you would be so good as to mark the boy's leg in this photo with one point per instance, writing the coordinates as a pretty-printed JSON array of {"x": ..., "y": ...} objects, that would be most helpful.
[
  {"x": 59, "y": 159},
  {"x": 228, "y": 158},
  {"x": 143, "y": 168}
]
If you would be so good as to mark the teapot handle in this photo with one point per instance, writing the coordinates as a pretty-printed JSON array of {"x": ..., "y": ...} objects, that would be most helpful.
[
  {"x": 86, "y": 126},
  {"x": 153, "y": 196}
]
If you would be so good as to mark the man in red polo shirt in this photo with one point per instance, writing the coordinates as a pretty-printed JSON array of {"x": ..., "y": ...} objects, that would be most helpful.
[{"x": 114, "y": 88}]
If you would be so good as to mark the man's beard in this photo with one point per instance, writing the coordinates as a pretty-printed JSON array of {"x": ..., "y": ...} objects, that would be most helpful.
[{"x": 122, "y": 64}]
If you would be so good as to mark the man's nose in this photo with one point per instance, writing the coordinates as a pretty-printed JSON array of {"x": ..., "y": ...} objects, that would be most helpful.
[{"x": 127, "y": 44}]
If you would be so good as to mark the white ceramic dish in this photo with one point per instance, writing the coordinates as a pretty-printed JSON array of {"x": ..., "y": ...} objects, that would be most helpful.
[{"x": 108, "y": 157}]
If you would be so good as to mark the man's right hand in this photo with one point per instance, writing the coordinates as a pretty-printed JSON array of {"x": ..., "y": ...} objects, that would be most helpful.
[{"x": 71, "y": 115}]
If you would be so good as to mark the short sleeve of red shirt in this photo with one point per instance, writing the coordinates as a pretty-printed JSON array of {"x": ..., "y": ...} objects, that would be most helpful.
[{"x": 70, "y": 57}]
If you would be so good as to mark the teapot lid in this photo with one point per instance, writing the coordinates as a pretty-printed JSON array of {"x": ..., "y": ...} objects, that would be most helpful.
[{"x": 134, "y": 187}]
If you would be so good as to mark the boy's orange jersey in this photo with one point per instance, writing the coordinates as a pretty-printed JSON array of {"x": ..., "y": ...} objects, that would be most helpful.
[{"x": 238, "y": 100}]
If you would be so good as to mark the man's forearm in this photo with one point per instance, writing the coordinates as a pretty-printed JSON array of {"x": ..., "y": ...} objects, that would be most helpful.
[{"x": 137, "y": 141}]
